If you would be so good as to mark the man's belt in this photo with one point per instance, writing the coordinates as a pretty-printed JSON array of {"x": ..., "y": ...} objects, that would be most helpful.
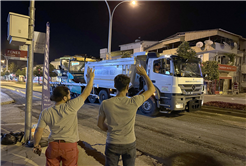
[{"x": 61, "y": 141}]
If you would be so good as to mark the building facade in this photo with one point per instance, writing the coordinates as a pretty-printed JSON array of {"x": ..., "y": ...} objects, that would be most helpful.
[
  {"x": 213, "y": 45},
  {"x": 127, "y": 49}
]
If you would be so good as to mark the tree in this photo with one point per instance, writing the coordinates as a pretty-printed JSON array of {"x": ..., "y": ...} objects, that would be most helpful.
[
  {"x": 12, "y": 67},
  {"x": 38, "y": 71},
  {"x": 7, "y": 73},
  {"x": 23, "y": 72},
  {"x": 126, "y": 55},
  {"x": 18, "y": 72},
  {"x": 185, "y": 51},
  {"x": 231, "y": 56},
  {"x": 51, "y": 69},
  {"x": 210, "y": 70}
]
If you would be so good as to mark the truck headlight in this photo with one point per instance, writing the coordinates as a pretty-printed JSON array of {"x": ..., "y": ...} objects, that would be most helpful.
[{"x": 179, "y": 105}]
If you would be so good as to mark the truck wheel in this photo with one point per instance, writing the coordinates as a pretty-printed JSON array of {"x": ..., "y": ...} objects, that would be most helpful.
[
  {"x": 103, "y": 95},
  {"x": 92, "y": 99},
  {"x": 75, "y": 95},
  {"x": 149, "y": 107}
]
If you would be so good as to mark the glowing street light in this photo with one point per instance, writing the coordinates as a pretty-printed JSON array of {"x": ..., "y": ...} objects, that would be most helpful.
[{"x": 110, "y": 24}]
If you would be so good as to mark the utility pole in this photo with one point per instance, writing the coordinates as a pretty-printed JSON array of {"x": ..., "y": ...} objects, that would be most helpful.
[{"x": 29, "y": 83}]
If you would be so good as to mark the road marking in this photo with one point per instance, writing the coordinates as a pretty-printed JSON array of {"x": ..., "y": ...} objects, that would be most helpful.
[
  {"x": 18, "y": 90},
  {"x": 26, "y": 160}
]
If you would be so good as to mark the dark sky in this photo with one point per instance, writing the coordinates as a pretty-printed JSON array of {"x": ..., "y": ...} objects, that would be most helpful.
[{"x": 81, "y": 27}]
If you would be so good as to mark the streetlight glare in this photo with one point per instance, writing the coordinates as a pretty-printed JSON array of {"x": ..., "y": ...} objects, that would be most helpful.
[{"x": 133, "y": 3}]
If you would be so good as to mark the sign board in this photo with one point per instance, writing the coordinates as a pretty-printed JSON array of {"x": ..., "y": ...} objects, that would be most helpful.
[
  {"x": 39, "y": 42},
  {"x": 16, "y": 54},
  {"x": 227, "y": 67}
]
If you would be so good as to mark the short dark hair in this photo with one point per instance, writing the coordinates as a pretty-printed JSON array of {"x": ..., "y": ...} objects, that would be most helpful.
[
  {"x": 121, "y": 81},
  {"x": 58, "y": 93}
]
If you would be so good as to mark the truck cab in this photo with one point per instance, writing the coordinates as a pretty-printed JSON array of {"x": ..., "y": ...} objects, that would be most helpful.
[{"x": 178, "y": 82}]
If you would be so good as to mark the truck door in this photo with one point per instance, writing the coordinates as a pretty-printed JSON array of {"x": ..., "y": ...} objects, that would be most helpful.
[{"x": 160, "y": 75}]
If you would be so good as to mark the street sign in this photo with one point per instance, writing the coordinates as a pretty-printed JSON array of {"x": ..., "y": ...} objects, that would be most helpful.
[
  {"x": 16, "y": 54},
  {"x": 39, "y": 42}
]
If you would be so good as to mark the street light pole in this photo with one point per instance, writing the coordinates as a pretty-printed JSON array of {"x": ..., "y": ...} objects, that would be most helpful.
[
  {"x": 110, "y": 26},
  {"x": 29, "y": 83}
]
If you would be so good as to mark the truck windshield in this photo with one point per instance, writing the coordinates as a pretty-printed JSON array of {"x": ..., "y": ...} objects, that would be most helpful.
[
  {"x": 74, "y": 66},
  {"x": 77, "y": 66},
  {"x": 186, "y": 68}
]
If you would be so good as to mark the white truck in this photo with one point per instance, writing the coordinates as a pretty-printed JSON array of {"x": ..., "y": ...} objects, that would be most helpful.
[{"x": 178, "y": 81}]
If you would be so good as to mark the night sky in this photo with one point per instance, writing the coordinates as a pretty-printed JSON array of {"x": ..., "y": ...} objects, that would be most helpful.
[{"x": 81, "y": 27}]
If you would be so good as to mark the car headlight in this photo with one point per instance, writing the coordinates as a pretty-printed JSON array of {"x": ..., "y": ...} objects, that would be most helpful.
[{"x": 179, "y": 105}]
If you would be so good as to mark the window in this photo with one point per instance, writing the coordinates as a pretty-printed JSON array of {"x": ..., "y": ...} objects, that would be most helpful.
[
  {"x": 162, "y": 66},
  {"x": 244, "y": 77},
  {"x": 157, "y": 66}
]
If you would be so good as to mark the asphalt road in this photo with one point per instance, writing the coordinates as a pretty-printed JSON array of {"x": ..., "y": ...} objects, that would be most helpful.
[{"x": 206, "y": 137}]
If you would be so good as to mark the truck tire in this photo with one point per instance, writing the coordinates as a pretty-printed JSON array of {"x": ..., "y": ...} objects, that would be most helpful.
[
  {"x": 75, "y": 95},
  {"x": 149, "y": 107},
  {"x": 103, "y": 95},
  {"x": 92, "y": 99}
]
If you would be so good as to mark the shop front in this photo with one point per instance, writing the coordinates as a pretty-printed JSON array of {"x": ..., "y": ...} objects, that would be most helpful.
[{"x": 224, "y": 85}]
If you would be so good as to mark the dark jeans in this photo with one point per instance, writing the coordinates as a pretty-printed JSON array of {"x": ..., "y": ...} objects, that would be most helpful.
[{"x": 113, "y": 152}]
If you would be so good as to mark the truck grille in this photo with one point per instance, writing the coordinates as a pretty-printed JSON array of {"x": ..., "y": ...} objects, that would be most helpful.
[{"x": 191, "y": 89}]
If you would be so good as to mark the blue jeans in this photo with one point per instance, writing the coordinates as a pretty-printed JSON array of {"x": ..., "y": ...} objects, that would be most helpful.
[{"x": 113, "y": 152}]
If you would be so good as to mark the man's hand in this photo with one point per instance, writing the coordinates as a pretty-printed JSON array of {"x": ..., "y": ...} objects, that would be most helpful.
[
  {"x": 37, "y": 150},
  {"x": 140, "y": 70},
  {"x": 90, "y": 73}
]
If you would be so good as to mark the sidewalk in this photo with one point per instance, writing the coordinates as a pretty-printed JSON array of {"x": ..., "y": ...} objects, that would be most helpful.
[
  {"x": 91, "y": 147},
  {"x": 13, "y": 119},
  {"x": 5, "y": 99}
]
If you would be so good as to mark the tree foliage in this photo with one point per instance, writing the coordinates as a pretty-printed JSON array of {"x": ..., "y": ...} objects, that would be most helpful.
[
  {"x": 210, "y": 70},
  {"x": 126, "y": 55},
  {"x": 20, "y": 72},
  {"x": 38, "y": 71},
  {"x": 184, "y": 50},
  {"x": 2, "y": 73},
  {"x": 12, "y": 67},
  {"x": 51, "y": 69},
  {"x": 7, "y": 73},
  {"x": 231, "y": 56}
]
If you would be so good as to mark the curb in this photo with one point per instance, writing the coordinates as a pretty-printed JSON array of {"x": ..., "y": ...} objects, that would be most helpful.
[{"x": 7, "y": 102}]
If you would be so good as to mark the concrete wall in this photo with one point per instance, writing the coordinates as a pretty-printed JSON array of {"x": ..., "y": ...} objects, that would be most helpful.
[{"x": 130, "y": 46}]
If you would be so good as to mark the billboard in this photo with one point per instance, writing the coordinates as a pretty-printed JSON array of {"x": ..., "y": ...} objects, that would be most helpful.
[{"x": 16, "y": 54}]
